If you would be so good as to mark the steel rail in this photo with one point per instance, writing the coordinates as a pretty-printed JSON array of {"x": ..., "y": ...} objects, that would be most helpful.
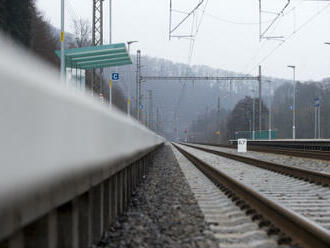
[
  {"x": 296, "y": 153},
  {"x": 311, "y": 176},
  {"x": 302, "y": 231},
  {"x": 320, "y": 155},
  {"x": 301, "y": 145}
]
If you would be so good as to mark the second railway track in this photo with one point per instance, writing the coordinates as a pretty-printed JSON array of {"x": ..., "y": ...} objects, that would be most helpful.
[
  {"x": 308, "y": 175},
  {"x": 303, "y": 152},
  {"x": 299, "y": 208}
]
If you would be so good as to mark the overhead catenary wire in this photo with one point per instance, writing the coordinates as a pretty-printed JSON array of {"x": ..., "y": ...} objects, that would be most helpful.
[
  {"x": 289, "y": 37},
  {"x": 283, "y": 14},
  {"x": 211, "y": 15},
  {"x": 275, "y": 19},
  {"x": 71, "y": 12},
  {"x": 233, "y": 22},
  {"x": 188, "y": 15},
  {"x": 192, "y": 44},
  {"x": 195, "y": 25},
  {"x": 262, "y": 45},
  {"x": 202, "y": 16},
  {"x": 221, "y": 19},
  {"x": 263, "y": 42}
]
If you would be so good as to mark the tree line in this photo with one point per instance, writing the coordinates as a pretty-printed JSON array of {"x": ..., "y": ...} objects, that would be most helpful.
[{"x": 240, "y": 118}]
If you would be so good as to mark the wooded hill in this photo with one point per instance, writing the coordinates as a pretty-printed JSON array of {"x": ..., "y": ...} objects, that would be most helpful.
[{"x": 185, "y": 108}]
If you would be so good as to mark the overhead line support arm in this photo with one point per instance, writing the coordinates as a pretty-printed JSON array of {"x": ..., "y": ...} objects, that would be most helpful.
[
  {"x": 274, "y": 20},
  {"x": 189, "y": 14}
]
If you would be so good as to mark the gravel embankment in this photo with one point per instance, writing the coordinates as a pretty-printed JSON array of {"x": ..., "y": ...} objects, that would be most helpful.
[
  {"x": 303, "y": 163},
  {"x": 162, "y": 213}
]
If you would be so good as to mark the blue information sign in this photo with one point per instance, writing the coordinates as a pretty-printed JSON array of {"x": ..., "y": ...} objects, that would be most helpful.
[
  {"x": 141, "y": 106},
  {"x": 316, "y": 102},
  {"x": 115, "y": 76}
]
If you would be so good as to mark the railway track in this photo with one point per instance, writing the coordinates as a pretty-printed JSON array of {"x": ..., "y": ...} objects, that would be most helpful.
[
  {"x": 308, "y": 175},
  {"x": 321, "y": 155},
  {"x": 301, "y": 152},
  {"x": 298, "y": 208}
]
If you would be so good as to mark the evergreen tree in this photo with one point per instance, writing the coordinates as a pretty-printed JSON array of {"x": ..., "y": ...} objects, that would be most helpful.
[
  {"x": 242, "y": 115},
  {"x": 15, "y": 19},
  {"x": 43, "y": 41}
]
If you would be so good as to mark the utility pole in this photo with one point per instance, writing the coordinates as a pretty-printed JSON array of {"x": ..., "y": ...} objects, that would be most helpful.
[
  {"x": 129, "y": 82},
  {"x": 142, "y": 98},
  {"x": 110, "y": 21},
  {"x": 294, "y": 102},
  {"x": 176, "y": 127},
  {"x": 315, "y": 122},
  {"x": 150, "y": 120},
  {"x": 97, "y": 34},
  {"x": 138, "y": 85},
  {"x": 231, "y": 93},
  {"x": 270, "y": 110},
  {"x": 157, "y": 120},
  {"x": 144, "y": 112},
  {"x": 260, "y": 21},
  {"x": 260, "y": 97},
  {"x": 316, "y": 117},
  {"x": 170, "y": 22},
  {"x": 206, "y": 119},
  {"x": 62, "y": 43},
  {"x": 253, "y": 115},
  {"x": 319, "y": 123},
  {"x": 110, "y": 42},
  {"x": 218, "y": 118}
]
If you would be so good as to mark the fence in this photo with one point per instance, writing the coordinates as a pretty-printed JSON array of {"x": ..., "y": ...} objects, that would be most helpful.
[{"x": 259, "y": 135}]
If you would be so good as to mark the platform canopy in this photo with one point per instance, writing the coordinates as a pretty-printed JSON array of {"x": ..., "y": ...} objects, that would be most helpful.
[{"x": 95, "y": 57}]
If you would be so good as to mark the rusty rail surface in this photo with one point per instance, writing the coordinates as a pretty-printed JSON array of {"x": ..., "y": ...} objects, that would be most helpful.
[
  {"x": 313, "y": 149},
  {"x": 308, "y": 175},
  {"x": 302, "y": 231}
]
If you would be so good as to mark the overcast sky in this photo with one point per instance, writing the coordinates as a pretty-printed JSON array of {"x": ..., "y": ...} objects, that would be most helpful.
[{"x": 228, "y": 34}]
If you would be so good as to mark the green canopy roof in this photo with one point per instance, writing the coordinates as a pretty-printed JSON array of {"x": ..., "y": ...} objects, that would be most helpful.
[{"x": 96, "y": 56}]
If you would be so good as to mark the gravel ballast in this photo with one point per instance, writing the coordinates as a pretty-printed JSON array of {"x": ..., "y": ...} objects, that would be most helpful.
[
  {"x": 231, "y": 225},
  {"x": 162, "y": 212},
  {"x": 301, "y": 163},
  {"x": 307, "y": 199}
]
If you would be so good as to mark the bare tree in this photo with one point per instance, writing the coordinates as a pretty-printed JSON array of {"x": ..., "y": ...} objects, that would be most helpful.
[{"x": 82, "y": 33}]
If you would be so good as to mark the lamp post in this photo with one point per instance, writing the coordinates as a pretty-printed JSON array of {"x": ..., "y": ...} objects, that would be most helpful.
[
  {"x": 317, "y": 123},
  {"x": 62, "y": 43},
  {"x": 110, "y": 21},
  {"x": 294, "y": 102},
  {"x": 253, "y": 115},
  {"x": 270, "y": 111},
  {"x": 110, "y": 42},
  {"x": 129, "y": 83}
]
